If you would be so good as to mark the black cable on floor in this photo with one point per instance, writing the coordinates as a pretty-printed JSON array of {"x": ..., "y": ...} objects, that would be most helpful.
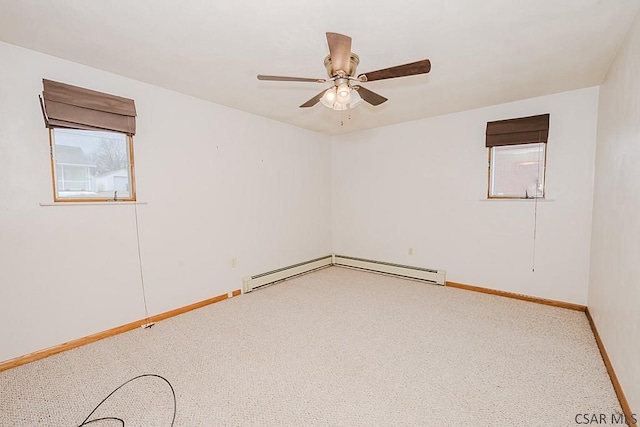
[{"x": 173, "y": 392}]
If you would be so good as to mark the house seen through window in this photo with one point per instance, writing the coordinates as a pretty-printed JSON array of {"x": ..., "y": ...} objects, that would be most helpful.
[{"x": 92, "y": 165}]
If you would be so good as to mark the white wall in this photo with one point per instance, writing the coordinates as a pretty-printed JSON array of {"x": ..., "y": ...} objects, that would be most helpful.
[
  {"x": 614, "y": 288},
  {"x": 419, "y": 185},
  {"x": 219, "y": 184}
]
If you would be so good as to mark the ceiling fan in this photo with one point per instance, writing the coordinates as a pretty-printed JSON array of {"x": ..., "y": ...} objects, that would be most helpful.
[{"x": 341, "y": 66}]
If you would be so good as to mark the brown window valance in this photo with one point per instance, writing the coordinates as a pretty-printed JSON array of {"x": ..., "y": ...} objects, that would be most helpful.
[
  {"x": 523, "y": 130},
  {"x": 74, "y": 107}
]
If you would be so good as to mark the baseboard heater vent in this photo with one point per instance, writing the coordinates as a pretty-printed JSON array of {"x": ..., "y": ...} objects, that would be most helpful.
[
  {"x": 252, "y": 282},
  {"x": 432, "y": 276}
]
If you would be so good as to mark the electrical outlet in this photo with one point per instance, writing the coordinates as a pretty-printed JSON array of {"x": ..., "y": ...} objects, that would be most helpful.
[
  {"x": 410, "y": 251},
  {"x": 230, "y": 295},
  {"x": 234, "y": 263}
]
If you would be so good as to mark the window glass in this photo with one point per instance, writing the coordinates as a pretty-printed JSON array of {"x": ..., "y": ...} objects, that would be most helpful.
[
  {"x": 517, "y": 171},
  {"x": 92, "y": 165}
]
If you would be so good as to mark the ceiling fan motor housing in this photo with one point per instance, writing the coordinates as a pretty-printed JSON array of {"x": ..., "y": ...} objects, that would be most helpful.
[{"x": 354, "y": 60}]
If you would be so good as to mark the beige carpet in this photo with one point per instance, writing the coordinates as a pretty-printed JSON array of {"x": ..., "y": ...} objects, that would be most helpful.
[{"x": 337, "y": 347}]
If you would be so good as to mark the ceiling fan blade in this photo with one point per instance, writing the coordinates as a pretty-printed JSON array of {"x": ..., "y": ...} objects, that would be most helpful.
[
  {"x": 313, "y": 101},
  {"x": 289, "y": 79},
  {"x": 339, "y": 51},
  {"x": 411, "y": 69},
  {"x": 370, "y": 96}
]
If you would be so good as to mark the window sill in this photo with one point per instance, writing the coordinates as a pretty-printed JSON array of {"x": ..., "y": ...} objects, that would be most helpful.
[
  {"x": 540, "y": 200},
  {"x": 91, "y": 203}
]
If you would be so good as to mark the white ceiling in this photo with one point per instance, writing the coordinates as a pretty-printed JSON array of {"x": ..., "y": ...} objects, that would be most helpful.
[{"x": 482, "y": 52}]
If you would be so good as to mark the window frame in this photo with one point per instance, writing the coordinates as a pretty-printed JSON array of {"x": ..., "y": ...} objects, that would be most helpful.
[
  {"x": 131, "y": 169},
  {"x": 544, "y": 174}
]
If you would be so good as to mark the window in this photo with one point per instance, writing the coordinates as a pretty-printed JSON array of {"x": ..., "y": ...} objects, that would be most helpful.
[
  {"x": 517, "y": 171},
  {"x": 91, "y": 165},
  {"x": 91, "y": 139},
  {"x": 517, "y": 157}
]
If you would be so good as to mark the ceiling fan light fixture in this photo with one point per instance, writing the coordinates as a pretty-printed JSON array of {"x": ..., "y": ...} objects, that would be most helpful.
[{"x": 341, "y": 98}]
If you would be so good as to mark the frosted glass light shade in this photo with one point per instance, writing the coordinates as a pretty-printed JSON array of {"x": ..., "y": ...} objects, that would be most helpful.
[
  {"x": 329, "y": 97},
  {"x": 356, "y": 99},
  {"x": 343, "y": 95}
]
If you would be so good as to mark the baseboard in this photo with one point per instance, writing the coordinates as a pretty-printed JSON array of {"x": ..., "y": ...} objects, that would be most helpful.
[
  {"x": 624, "y": 404},
  {"x": 41, "y": 354},
  {"x": 554, "y": 303}
]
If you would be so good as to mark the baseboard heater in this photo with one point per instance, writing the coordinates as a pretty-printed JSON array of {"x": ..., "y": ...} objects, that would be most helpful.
[
  {"x": 425, "y": 274},
  {"x": 428, "y": 275},
  {"x": 252, "y": 282}
]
